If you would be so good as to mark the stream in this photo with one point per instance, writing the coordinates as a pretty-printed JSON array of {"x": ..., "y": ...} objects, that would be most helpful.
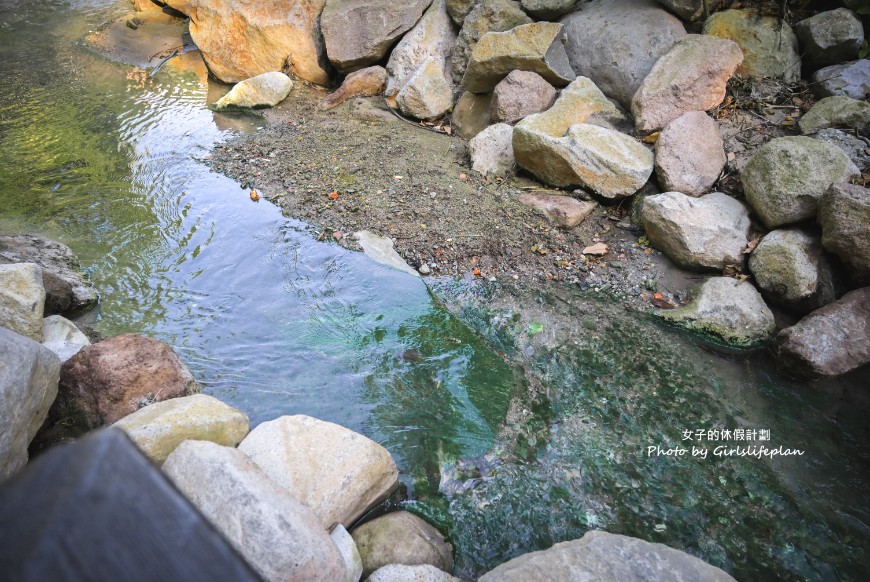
[{"x": 518, "y": 418}]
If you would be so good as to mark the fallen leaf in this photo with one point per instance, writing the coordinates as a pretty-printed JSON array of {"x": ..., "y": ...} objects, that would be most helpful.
[
  {"x": 476, "y": 272},
  {"x": 254, "y": 196},
  {"x": 338, "y": 235},
  {"x": 463, "y": 177},
  {"x": 653, "y": 137},
  {"x": 333, "y": 195},
  {"x": 662, "y": 302},
  {"x": 598, "y": 249}
]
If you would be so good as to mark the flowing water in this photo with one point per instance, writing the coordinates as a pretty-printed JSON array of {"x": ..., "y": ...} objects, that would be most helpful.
[{"x": 513, "y": 427}]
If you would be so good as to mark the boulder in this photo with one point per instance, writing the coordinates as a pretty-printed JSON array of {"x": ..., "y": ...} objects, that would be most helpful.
[
  {"x": 599, "y": 555},
  {"x": 770, "y": 47},
  {"x": 548, "y": 9},
  {"x": 519, "y": 94},
  {"x": 486, "y": 16},
  {"x": 380, "y": 249},
  {"x": 844, "y": 215},
  {"x": 829, "y": 341},
  {"x": 240, "y": 40},
  {"x": 61, "y": 336},
  {"x": 400, "y": 573},
  {"x": 347, "y": 548},
  {"x": 690, "y": 154},
  {"x": 692, "y": 76},
  {"x": 337, "y": 473},
  {"x": 159, "y": 428},
  {"x": 792, "y": 270},
  {"x": 538, "y": 47},
  {"x": 22, "y": 299},
  {"x": 837, "y": 111},
  {"x": 428, "y": 94},
  {"x": 432, "y": 37},
  {"x": 726, "y": 309},
  {"x": 401, "y": 538},
  {"x": 143, "y": 5},
  {"x": 182, "y": 6},
  {"x": 108, "y": 380},
  {"x": 362, "y": 83},
  {"x": 830, "y": 37},
  {"x": 359, "y": 33},
  {"x": 850, "y": 79},
  {"x": 459, "y": 9},
  {"x": 785, "y": 178},
  {"x": 709, "y": 232},
  {"x": 616, "y": 43},
  {"x": 28, "y": 385},
  {"x": 492, "y": 152},
  {"x": 563, "y": 211},
  {"x": 692, "y": 10},
  {"x": 471, "y": 114},
  {"x": 854, "y": 147},
  {"x": 266, "y": 90},
  {"x": 276, "y": 534}
]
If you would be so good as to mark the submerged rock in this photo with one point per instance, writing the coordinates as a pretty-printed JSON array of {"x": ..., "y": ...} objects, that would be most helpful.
[
  {"x": 362, "y": 83},
  {"x": 401, "y": 538},
  {"x": 486, "y": 16},
  {"x": 381, "y": 250},
  {"x": 563, "y": 211},
  {"x": 830, "y": 37},
  {"x": 690, "y": 154},
  {"x": 492, "y": 152},
  {"x": 428, "y": 94},
  {"x": 61, "y": 336},
  {"x": 519, "y": 94},
  {"x": 837, "y": 111},
  {"x": 22, "y": 299},
  {"x": 266, "y": 90},
  {"x": 844, "y": 215}
]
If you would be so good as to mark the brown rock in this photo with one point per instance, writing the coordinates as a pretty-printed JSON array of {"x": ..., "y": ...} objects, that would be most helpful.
[
  {"x": 690, "y": 154},
  {"x": 519, "y": 94},
  {"x": 471, "y": 114},
  {"x": 362, "y": 83},
  {"x": 401, "y": 538},
  {"x": 486, "y": 16},
  {"x": 563, "y": 211}
]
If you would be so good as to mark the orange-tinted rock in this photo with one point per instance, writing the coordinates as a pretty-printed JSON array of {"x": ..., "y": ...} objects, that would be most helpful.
[{"x": 362, "y": 83}]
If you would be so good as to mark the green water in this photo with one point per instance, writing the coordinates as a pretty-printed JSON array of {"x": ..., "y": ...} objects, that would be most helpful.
[{"x": 517, "y": 420}]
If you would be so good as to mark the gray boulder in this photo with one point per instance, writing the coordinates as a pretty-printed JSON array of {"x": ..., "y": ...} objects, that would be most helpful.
[
  {"x": 519, "y": 94},
  {"x": 690, "y": 154},
  {"x": 400, "y": 573},
  {"x": 428, "y": 94},
  {"x": 22, "y": 299},
  {"x": 548, "y": 9},
  {"x": 692, "y": 10},
  {"x": 616, "y": 43},
  {"x": 709, "y": 232},
  {"x": 471, "y": 114},
  {"x": 844, "y": 215},
  {"x": 401, "y": 538},
  {"x": 850, "y": 79},
  {"x": 486, "y": 16},
  {"x": 785, "y": 178},
  {"x": 830, "y": 341},
  {"x": 266, "y": 90},
  {"x": 829, "y": 38},
  {"x": 837, "y": 111},
  {"x": 28, "y": 385},
  {"x": 61, "y": 336},
  {"x": 603, "y": 556},
  {"x": 492, "y": 152},
  {"x": 852, "y": 146}
]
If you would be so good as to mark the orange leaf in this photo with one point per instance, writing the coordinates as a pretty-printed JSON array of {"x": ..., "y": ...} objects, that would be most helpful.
[
  {"x": 476, "y": 272},
  {"x": 658, "y": 296},
  {"x": 333, "y": 195}
]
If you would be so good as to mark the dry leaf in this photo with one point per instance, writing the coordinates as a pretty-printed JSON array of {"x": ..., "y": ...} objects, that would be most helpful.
[{"x": 254, "y": 196}]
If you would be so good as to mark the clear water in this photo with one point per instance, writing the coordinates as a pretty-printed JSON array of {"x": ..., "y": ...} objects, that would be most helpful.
[{"x": 507, "y": 457}]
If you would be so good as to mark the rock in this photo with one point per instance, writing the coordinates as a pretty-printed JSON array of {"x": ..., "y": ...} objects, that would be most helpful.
[
  {"x": 599, "y": 555},
  {"x": 401, "y": 538},
  {"x": 616, "y": 43},
  {"x": 22, "y": 299},
  {"x": 791, "y": 269},
  {"x": 400, "y": 573},
  {"x": 108, "y": 380},
  {"x": 432, "y": 37},
  {"x": 159, "y": 428},
  {"x": 471, "y": 114},
  {"x": 276, "y": 534},
  {"x": 844, "y": 215},
  {"x": 837, "y": 111},
  {"x": 142, "y": 5},
  {"x": 852, "y": 146},
  {"x": 492, "y": 151},
  {"x": 359, "y": 33},
  {"x": 337, "y": 473},
  {"x": 538, "y": 47},
  {"x": 690, "y": 154},
  {"x": 61, "y": 336},
  {"x": 785, "y": 178},
  {"x": 548, "y": 9},
  {"x": 347, "y": 548},
  {"x": 709, "y": 232},
  {"x": 690, "y": 77},
  {"x": 829, "y": 38},
  {"x": 66, "y": 291},
  {"x": 266, "y": 90},
  {"x": 850, "y": 79},
  {"x": 563, "y": 211},
  {"x": 28, "y": 385},
  {"x": 731, "y": 311},
  {"x": 486, "y": 16},
  {"x": 380, "y": 249},
  {"x": 830, "y": 341},
  {"x": 691, "y": 10},
  {"x": 240, "y": 40},
  {"x": 459, "y": 9},
  {"x": 362, "y": 83},
  {"x": 428, "y": 94},
  {"x": 519, "y": 94},
  {"x": 182, "y": 6},
  {"x": 770, "y": 47}
]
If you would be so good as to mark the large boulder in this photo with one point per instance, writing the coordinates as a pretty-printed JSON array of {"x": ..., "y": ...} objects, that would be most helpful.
[
  {"x": 359, "y": 33},
  {"x": 692, "y": 10},
  {"x": 486, "y": 16},
  {"x": 850, "y": 79},
  {"x": 400, "y": 573},
  {"x": 770, "y": 47},
  {"x": 29, "y": 374},
  {"x": 692, "y": 76},
  {"x": 266, "y": 90},
  {"x": 690, "y": 154},
  {"x": 792, "y": 270},
  {"x": 830, "y": 37},
  {"x": 428, "y": 94},
  {"x": 599, "y": 555},
  {"x": 61, "y": 336},
  {"x": 337, "y": 473},
  {"x": 830, "y": 341},
  {"x": 709, "y": 232},
  {"x": 471, "y": 114},
  {"x": 401, "y": 538},
  {"x": 22, "y": 299},
  {"x": 563, "y": 211},
  {"x": 108, "y": 380},
  {"x": 362, "y": 83},
  {"x": 785, "y": 178},
  {"x": 616, "y": 43},
  {"x": 159, "y": 428},
  {"x": 240, "y": 40},
  {"x": 275, "y": 533},
  {"x": 837, "y": 111},
  {"x": 492, "y": 152},
  {"x": 519, "y": 94},
  {"x": 844, "y": 215},
  {"x": 538, "y": 47}
]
